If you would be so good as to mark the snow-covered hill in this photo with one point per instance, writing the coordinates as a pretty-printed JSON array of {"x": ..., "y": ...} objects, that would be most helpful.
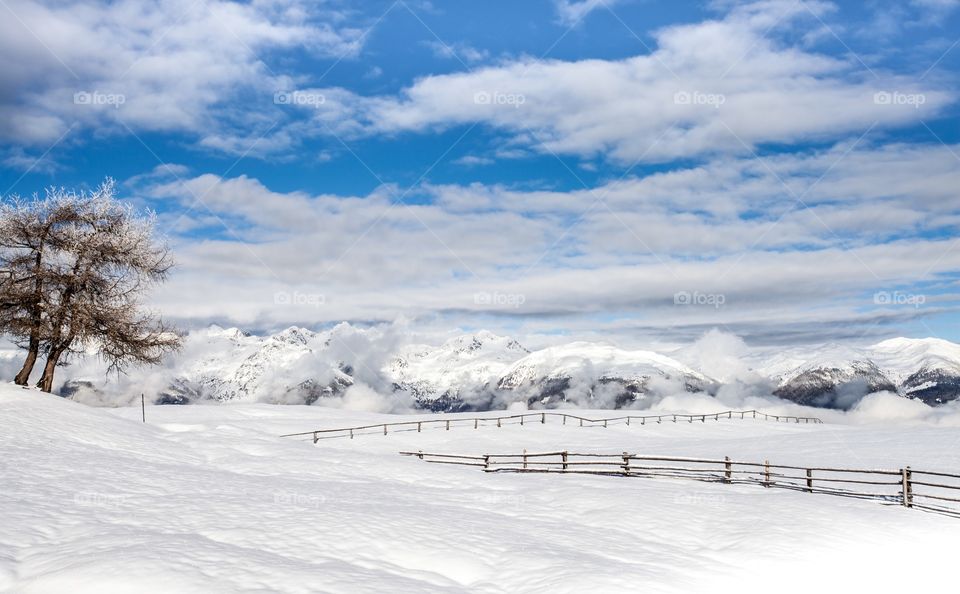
[{"x": 209, "y": 499}]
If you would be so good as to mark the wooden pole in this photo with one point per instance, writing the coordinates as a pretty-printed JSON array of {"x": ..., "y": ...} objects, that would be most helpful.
[
  {"x": 143, "y": 409},
  {"x": 626, "y": 464},
  {"x": 418, "y": 427},
  {"x": 766, "y": 473},
  {"x": 728, "y": 474},
  {"x": 351, "y": 434},
  {"x": 498, "y": 421},
  {"x": 316, "y": 437},
  {"x": 524, "y": 457},
  {"x": 809, "y": 480},
  {"x": 486, "y": 463},
  {"x": 543, "y": 418},
  {"x": 476, "y": 423},
  {"x": 384, "y": 428},
  {"x": 907, "y": 487},
  {"x": 564, "y": 457},
  {"x": 448, "y": 424}
]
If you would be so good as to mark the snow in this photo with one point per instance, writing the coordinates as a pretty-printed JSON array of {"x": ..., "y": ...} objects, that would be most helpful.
[{"x": 209, "y": 499}]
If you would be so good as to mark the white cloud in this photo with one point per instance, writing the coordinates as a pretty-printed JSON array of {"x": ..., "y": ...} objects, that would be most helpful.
[
  {"x": 159, "y": 65},
  {"x": 718, "y": 86},
  {"x": 875, "y": 221}
]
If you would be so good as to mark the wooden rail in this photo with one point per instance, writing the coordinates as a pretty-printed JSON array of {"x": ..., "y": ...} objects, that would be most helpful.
[
  {"x": 541, "y": 417},
  {"x": 905, "y": 486}
]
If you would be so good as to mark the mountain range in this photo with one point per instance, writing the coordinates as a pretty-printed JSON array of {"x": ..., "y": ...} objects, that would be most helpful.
[{"x": 483, "y": 371}]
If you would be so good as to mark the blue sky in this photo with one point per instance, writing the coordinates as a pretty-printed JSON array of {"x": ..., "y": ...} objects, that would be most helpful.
[{"x": 788, "y": 167}]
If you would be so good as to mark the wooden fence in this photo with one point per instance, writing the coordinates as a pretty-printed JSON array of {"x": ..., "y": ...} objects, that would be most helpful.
[
  {"x": 541, "y": 418},
  {"x": 919, "y": 489}
]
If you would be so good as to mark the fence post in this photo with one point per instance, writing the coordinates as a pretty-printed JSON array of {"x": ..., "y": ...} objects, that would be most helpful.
[
  {"x": 581, "y": 422},
  {"x": 754, "y": 414},
  {"x": 563, "y": 455},
  {"x": 604, "y": 423},
  {"x": 766, "y": 473},
  {"x": 418, "y": 427},
  {"x": 384, "y": 428},
  {"x": 809, "y": 480},
  {"x": 351, "y": 434},
  {"x": 521, "y": 420},
  {"x": 907, "y": 487},
  {"x": 498, "y": 421},
  {"x": 628, "y": 420},
  {"x": 728, "y": 470},
  {"x": 543, "y": 418},
  {"x": 486, "y": 463},
  {"x": 626, "y": 464},
  {"x": 524, "y": 457},
  {"x": 564, "y": 419},
  {"x": 316, "y": 438},
  {"x": 476, "y": 423},
  {"x": 448, "y": 424}
]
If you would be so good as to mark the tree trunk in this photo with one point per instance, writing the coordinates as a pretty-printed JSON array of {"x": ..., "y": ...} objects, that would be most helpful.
[
  {"x": 46, "y": 380},
  {"x": 23, "y": 378},
  {"x": 36, "y": 315}
]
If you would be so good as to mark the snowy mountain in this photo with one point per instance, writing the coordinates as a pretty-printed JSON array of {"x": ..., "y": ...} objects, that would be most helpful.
[
  {"x": 597, "y": 375},
  {"x": 482, "y": 371},
  {"x": 837, "y": 376},
  {"x": 457, "y": 375}
]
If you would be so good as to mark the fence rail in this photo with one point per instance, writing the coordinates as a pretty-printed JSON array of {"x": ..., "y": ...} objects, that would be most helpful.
[
  {"x": 541, "y": 417},
  {"x": 890, "y": 486}
]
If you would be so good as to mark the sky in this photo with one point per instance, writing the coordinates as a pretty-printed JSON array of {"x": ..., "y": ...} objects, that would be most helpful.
[{"x": 624, "y": 170}]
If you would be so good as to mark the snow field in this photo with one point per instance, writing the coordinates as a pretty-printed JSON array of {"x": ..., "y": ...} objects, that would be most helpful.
[{"x": 209, "y": 499}]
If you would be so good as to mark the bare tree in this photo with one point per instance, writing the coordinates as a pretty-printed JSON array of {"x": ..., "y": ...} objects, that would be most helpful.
[
  {"x": 29, "y": 232},
  {"x": 92, "y": 279}
]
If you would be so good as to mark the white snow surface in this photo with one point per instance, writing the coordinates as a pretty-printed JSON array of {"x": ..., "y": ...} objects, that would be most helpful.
[{"x": 209, "y": 499}]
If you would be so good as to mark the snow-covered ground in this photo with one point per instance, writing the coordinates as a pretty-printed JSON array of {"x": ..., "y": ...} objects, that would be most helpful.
[{"x": 209, "y": 499}]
